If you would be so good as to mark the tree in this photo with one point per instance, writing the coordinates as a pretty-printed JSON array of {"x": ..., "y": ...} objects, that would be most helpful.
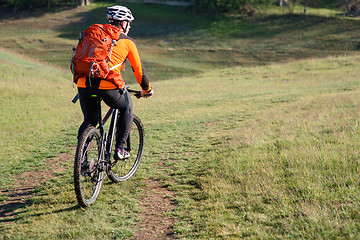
[
  {"x": 84, "y": 2},
  {"x": 346, "y": 4},
  {"x": 24, "y": 4},
  {"x": 292, "y": 3},
  {"x": 216, "y": 7}
]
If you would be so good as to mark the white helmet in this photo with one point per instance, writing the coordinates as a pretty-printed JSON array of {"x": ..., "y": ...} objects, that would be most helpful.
[{"x": 119, "y": 13}]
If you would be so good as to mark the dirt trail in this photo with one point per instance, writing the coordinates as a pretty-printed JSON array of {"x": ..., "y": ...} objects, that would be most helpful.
[
  {"x": 156, "y": 202},
  {"x": 25, "y": 184}
]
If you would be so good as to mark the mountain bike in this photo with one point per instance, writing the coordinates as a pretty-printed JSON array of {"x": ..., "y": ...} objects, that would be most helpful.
[{"x": 93, "y": 154}]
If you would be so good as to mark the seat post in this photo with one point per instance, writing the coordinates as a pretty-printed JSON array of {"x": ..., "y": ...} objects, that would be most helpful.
[{"x": 98, "y": 102}]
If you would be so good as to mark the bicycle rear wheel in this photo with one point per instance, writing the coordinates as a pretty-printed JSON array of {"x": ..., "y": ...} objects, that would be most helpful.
[
  {"x": 122, "y": 170},
  {"x": 87, "y": 175}
]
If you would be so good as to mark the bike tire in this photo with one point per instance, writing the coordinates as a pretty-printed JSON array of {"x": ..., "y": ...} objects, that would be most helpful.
[
  {"x": 122, "y": 170},
  {"x": 87, "y": 176}
]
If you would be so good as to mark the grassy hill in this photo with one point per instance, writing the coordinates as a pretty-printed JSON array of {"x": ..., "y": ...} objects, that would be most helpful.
[
  {"x": 173, "y": 42},
  {"x": 245, "y": 148},
  {"x": 36, "y": 113}
]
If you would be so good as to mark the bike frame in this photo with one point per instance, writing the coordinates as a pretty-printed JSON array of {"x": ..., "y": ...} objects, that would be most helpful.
[{"x": 107, "y": 139}]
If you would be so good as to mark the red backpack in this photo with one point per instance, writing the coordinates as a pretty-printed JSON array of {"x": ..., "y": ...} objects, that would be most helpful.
[{"x": 93, "y": 53}]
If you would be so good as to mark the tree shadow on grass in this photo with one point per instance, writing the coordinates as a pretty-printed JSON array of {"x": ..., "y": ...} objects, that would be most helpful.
[
  {"x": 18, "y": 199},
  {"x": 150, "y": 21},
  {"x": 27, "y": 185}
]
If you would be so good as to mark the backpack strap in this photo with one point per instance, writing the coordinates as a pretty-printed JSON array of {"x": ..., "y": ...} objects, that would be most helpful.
[{"x": 116, "y": 66}]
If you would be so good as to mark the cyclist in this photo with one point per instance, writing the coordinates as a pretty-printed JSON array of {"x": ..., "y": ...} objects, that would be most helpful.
[{"x": 111, "y": 89}]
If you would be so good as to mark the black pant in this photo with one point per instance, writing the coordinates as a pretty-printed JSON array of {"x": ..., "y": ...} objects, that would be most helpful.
[{"x": 114, "y": 98}]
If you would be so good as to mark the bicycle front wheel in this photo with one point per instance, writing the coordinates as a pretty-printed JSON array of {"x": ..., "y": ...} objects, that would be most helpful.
[
  {"x": 122, "y": 170},
  {"x": 88, "y": 175}
]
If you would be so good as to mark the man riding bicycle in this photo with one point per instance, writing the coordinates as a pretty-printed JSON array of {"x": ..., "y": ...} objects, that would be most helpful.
[{"x": 112, "y": 89}]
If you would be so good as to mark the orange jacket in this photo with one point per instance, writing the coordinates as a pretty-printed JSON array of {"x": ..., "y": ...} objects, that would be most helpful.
[{"x": 125, "y": 49}]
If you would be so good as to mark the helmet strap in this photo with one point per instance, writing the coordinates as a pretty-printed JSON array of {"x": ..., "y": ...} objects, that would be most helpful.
[
  {"x": 126, "y": 26},
  {"x": 120, "y": 24}
]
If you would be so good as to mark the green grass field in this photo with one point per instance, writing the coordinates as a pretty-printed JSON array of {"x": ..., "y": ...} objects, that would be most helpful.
[{"x": 253, "y": 128}]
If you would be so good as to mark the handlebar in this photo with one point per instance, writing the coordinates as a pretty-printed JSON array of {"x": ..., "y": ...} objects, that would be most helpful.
[
  {"x": 137, "y": 93},
  {"x": 75, "y": 98}
]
